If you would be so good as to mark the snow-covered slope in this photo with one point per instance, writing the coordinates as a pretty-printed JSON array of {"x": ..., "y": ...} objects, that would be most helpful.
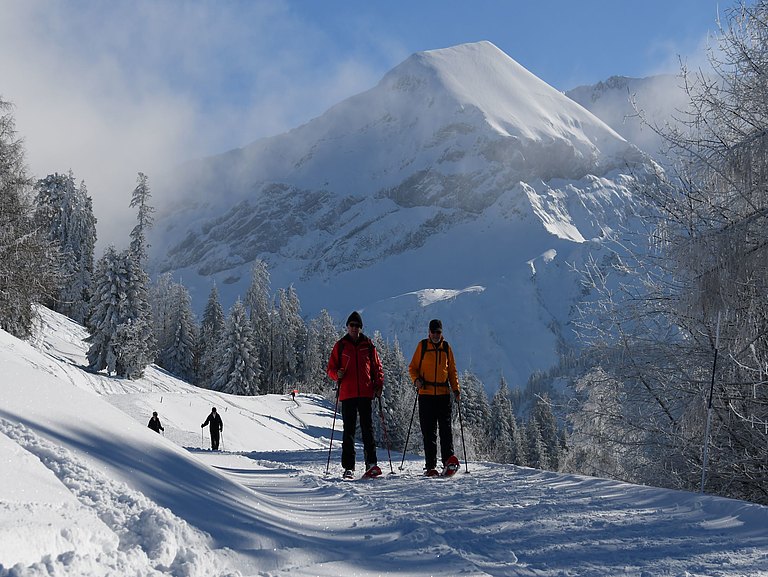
[
  {"x": 459, "y": 169},
  {"x": 87, "y": 489}
]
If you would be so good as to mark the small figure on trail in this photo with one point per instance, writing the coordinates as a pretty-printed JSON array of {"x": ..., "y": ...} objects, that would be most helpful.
[
  {"x": 154, "y": 423},
  {"x": 293, "y": 394},
  {"x": 216, "y": 426},
  {"x": 433, "y": 371},
  {"x": 355, "y": 366}
]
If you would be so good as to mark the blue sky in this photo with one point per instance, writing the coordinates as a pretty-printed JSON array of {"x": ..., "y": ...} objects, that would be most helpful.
[{"x": 108, "y": 89}]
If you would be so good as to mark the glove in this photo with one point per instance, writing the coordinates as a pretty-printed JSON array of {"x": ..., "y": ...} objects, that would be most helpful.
[
  {"x": 340, "y": 373},
  {"x": 418, "y": 383},
  {"x": 457, "y": 394},
  {"x": 203, "y": 425},
  {"x": 377, "y": 391}
]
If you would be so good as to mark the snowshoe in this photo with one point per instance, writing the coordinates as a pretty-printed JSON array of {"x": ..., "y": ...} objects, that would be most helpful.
[
  {"x": 451, "y": 466},
  {"x": 348, "y": 474},
  {"x": 373, "y": 471},
  {"x": 431, "y": 473}
]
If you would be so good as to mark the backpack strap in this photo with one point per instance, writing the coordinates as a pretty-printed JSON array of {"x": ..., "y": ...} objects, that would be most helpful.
[{"x": 423, "y": 352}]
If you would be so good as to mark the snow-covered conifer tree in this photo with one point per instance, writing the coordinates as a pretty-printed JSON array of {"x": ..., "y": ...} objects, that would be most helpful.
[
  {"x": 211, "y": 333},
  {"x": 321, "y": 336},
  {"x": 107, "y": 314},
  {"x": 538, "y": 458},
  {"x": 550, "y": 436},
  {"x": 476, "y": 413},
  {"x": 289, "y": 340},
  {"x": 505, "y": 435},
  {"x": 238, "y": 370},
  {"x": 177, "y": 355},
  {"x": 65, "y": 213},
  {"x": 258, "y": 302},
  {"x": 144, "y": 219},
  {"x": 161, "y": 301},
  {"x": 29, "y": 268},
  {"x": 400, "y": 397}
]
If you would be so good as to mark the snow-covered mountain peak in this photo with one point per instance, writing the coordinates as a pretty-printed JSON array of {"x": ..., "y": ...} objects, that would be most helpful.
[{"x": 512, "y": 100}]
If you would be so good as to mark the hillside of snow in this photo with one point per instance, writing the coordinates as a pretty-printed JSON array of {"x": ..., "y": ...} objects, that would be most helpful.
[
  {"x": 459, "y": 169},
  {"x": 87, "y": 489}
]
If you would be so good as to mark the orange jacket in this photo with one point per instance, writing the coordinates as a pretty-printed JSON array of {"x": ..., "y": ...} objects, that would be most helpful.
[
  {"x": 437, "y": 368},
  {"x": 363, "y": 373}
]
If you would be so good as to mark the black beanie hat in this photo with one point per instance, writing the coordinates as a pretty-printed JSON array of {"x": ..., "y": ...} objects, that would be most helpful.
[
  {"x": 355, "y": 318},
  {"x": 435, "y": 325}
]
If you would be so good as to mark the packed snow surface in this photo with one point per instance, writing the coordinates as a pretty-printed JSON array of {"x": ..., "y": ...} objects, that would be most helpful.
[{"x": 87, "y": 489}]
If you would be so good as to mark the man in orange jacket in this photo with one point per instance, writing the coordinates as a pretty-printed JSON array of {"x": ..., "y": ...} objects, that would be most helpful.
[
  {"x": 355, "y": 365},
  {"x": 433, "y": 371}
]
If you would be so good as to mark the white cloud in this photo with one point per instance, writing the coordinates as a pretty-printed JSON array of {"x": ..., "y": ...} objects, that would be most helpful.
[{"x": 111, "y": 89}]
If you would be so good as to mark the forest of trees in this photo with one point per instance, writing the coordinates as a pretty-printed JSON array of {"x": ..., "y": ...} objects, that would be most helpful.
[{"x": 670, "y": 390}]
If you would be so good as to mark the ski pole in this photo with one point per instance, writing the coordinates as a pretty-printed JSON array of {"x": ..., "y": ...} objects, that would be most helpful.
[
  {"x": 463, "y": 444},
  {"x": 333, "y": 427},
  {"x": 386, "y": 437},
  {"x": 202, "y": 438},
  {"x": 408, "y": 434}
]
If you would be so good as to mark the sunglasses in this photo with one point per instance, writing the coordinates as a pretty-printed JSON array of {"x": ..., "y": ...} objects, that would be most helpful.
[
  {"x": 436, "y": 332},
  {"x": 354, "y": 326}
]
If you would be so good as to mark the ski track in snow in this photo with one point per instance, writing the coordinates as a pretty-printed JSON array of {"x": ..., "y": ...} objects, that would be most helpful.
[{"x": 534, "y": 523}]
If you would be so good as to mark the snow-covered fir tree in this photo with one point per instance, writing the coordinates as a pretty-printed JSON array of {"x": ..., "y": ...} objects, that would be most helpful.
[
  {"x": 258, "y": 303},
  {"x": 476, "y": 415},
  {"x": 504, "y": 434},
  {"x": 177, "y": 354},
  {"x": 65, "y": 212},
  {"x": 161, "y": 301},
  {"x": 211, "y": 333},
  {"x": 29, "y": 269},
  {"x": 321, "y": 336},
  {"x": 550, "y": 435},
  {"x": 107, "y": 311},
  {"x": 289, "y": 341},
  {"x": 537, "y": 454},
  {"x": 238, "y": 370},
  {"x": 399, "y": 398},
  {"x": 144, "y": 219},
  {"x": 121, "y": 334}
]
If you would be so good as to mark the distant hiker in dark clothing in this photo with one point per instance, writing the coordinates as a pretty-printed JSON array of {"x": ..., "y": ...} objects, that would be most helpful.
[
  {"x": 433, "y": 371},
  {"x": 355, "y": 365},
  {"x": 154, "y": 423},
  {"x": 216, "y": 426}
]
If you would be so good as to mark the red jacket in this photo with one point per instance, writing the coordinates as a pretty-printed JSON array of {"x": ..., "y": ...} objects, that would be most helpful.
[{"x": 363, "y": 373}]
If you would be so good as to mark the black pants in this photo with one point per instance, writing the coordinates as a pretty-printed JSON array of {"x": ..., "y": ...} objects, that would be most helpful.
[
  {"x": 434, "y": 412},
  {"x": 215, "y": 439},
  {"x": 350, "y": 409}
]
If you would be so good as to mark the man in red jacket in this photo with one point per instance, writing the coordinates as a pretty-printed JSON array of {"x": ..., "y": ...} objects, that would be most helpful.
[{"x": 355, "y": 366}]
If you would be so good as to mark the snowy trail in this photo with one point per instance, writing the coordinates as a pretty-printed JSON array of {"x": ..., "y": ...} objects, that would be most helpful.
[{"x": 502, "y": 521}]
